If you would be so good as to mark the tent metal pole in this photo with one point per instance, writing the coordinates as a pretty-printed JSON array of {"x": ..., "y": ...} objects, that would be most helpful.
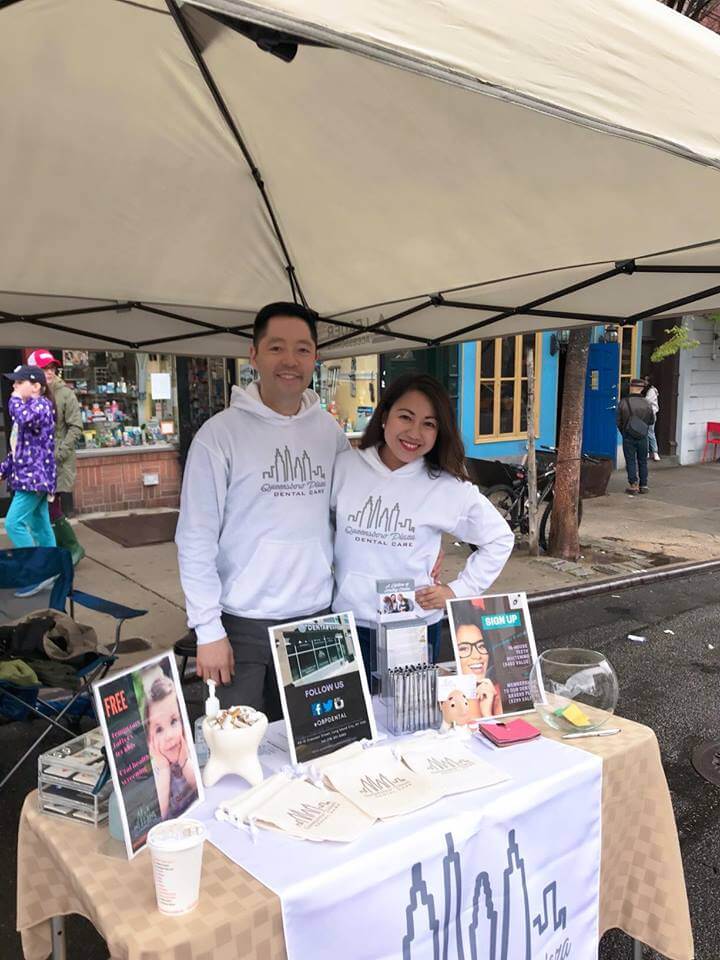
[
  {"x": 232, "y": 126},
  {"x": 515, "y": 311},
  {"x": 178, "y": 316},
  {"x": 63, "y": 329},
  {"x": 670, "y": 305},
  {"x": 560, "y": 314},
  {"x": 77, "y": 311},
  {"x": 383, "y": 323},
  {"x": 658, "y": 268}
]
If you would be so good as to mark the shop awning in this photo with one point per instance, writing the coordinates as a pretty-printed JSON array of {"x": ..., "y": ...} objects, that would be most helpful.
[{"x": 417, "y": 172}]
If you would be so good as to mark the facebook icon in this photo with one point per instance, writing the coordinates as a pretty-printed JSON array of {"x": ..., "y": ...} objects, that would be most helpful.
[{"x": 316, "y": 708}]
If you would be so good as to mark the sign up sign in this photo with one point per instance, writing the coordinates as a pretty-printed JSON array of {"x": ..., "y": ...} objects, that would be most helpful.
[{"x": 494, "y": 643}]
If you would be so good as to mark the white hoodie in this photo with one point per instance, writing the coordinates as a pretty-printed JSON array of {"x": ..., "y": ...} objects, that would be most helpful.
[
  {"x": 389, "y": 525},
  {"x": 254, "y": 536}
]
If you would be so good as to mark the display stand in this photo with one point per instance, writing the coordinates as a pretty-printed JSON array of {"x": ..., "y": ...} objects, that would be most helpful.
[{"x": 401, "y": 643}]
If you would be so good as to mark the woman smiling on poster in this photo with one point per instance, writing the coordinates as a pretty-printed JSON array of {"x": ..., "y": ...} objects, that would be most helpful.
[
  {"x": 395, "y": 497},
  {"x": 475, "y": 661}
]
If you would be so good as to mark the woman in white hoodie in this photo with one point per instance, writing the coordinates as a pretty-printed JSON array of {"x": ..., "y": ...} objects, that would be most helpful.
[{"x": 395, "y": 497}]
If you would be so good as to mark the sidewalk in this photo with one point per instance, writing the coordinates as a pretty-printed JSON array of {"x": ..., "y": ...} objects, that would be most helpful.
[{"x": 679, "y": 520}]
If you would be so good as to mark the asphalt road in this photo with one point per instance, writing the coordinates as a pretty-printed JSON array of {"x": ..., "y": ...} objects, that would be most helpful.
[{"x": 671, "y": 683}]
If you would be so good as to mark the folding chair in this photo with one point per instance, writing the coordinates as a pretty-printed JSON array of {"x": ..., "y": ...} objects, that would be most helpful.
[
  {"x": 712, "y": 439},
  {"x": 27, "y": 566}
]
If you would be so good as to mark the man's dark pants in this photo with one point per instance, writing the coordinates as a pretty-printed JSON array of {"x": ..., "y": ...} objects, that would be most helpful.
[
  {"x": 636, "y": 454},
  {"x": 254, "y": 684}
]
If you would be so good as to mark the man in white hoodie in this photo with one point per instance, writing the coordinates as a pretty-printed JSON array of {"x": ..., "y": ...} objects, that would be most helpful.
[{"x": 254, "y": 538}]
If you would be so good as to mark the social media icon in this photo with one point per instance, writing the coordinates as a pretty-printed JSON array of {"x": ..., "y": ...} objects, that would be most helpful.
[
  {"x": 316, "y": 709},
  {"x": 327, "y": 706},
  {"x": 339, "y": 703}
]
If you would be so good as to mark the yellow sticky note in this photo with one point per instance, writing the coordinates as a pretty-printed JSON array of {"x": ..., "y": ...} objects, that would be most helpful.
[{"x": 574, "y": 715}]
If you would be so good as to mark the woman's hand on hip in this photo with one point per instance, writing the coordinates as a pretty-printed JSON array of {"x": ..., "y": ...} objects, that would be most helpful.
[{"x": 433, "y": 598}]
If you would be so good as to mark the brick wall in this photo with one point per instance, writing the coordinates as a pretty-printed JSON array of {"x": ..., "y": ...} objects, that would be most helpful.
[{"x": 109, "y": 482}]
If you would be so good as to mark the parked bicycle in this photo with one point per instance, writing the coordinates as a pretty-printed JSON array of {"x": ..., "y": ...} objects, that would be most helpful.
[{"x": 511, "y": 499}]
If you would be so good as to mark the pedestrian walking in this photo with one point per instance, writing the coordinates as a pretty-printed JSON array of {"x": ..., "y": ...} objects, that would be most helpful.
[
  {"x": 68, "y": 430},
  {"x": 634, "y": 417},
  {"x": 652, "y": 395}
]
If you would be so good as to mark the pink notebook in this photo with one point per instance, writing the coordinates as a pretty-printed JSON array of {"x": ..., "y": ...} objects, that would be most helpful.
[{"x": 504, "y": 733}]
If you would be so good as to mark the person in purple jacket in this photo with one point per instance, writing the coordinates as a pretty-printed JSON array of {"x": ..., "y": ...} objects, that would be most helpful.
[{"x": 29, "y": 468}]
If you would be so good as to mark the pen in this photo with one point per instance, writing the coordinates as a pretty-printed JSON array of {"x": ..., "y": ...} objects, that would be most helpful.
[{"x": 592, "y": 733}]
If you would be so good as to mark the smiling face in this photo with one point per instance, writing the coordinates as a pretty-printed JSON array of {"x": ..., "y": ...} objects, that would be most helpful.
[
  {"x": 410, "y": 428},
  {"x": 285, "y": 359},
  {"x": 474, "y": 656},
  {"x": 166, "y": 729}
]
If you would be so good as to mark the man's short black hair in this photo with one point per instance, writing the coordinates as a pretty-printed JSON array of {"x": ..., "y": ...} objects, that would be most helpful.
[{"x": 281, "y": 309}]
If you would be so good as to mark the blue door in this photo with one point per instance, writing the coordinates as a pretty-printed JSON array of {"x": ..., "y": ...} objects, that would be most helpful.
[{"x": 601, "y": 398}]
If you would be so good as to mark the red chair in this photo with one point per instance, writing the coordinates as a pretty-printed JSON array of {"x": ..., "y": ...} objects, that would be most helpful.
[{"x": 712, "y": 439}]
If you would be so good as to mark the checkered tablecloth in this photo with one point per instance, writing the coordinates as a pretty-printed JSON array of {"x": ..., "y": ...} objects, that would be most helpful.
[{"x": 66, "y": 868}]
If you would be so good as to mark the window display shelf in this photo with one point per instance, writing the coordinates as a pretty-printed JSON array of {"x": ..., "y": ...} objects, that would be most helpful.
[{"x": 145, "y": 448}]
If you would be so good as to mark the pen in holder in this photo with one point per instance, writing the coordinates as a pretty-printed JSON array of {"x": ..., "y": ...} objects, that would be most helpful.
[{"x": 411, "y": 698}]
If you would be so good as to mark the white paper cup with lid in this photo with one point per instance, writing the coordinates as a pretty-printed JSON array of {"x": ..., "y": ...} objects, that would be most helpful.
[{"x": 176, "y": 849}]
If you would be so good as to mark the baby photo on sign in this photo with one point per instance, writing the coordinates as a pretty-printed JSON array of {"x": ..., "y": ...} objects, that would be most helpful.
[
  {"x": 149, "y": 746},
  {"x": 494, "y": 643}
]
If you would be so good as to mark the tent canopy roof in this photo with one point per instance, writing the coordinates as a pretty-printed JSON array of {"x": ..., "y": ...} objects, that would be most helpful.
[{"x": 469, "y": 169}]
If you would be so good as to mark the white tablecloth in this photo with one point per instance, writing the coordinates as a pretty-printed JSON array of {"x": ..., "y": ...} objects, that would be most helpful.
[{"x": 510, "y": 872}]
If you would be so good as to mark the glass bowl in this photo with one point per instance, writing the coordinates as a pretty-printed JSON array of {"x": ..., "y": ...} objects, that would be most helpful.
[{"x": 573, "y": 690}]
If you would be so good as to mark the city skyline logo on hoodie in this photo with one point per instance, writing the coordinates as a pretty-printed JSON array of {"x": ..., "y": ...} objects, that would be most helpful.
[
  {"x": 293, "y": 475},
  {"x": 377, "y": 523}
]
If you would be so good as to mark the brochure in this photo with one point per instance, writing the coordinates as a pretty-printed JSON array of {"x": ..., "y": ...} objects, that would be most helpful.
[
  {"x": 381, "y": 785},
  {"x": 448, "y": 763},
  {"x": 324, "y": 693},
  {"x": 493, "y": 642},
  {"x": 149, "y": 746},
  {"x": 395, "y": 600},
  {"x": 309, "y": 812}
]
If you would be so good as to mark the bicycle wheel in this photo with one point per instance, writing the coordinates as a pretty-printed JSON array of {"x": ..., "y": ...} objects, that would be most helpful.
[
  {"x": 544, "y": 531},
  {"x": 502, "y": 498}
]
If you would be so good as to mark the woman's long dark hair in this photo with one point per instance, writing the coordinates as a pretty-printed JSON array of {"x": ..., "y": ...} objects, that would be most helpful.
[{"x": 448, "y": 452}]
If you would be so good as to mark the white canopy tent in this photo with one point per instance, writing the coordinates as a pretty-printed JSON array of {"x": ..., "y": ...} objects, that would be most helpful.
[{"x": 417, "y": 172}]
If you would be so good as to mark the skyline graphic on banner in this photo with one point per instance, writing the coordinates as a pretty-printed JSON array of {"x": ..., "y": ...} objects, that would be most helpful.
[
  {"x": 287, "y": 468},
  {"x": 374, "y": 516},
  {"x": 487, "y": 938}
]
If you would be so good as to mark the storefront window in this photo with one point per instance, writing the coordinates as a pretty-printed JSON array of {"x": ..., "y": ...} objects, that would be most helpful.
[
  {"x": 627, "y": 337},
  {"x": 348, "y": 390},
  {"x": 502, "y": 386},
  {"x": 126, "y": 399}
]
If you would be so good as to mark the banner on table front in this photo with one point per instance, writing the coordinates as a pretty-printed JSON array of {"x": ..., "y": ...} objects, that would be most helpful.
[{"x": 510, "y": 872}]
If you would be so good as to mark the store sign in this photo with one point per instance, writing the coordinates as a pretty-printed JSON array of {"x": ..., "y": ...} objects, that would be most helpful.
[
  {"x": 324, "y": 693},
  {"x": 493, "y": 642},
  {"x": 149, "y": 746}
]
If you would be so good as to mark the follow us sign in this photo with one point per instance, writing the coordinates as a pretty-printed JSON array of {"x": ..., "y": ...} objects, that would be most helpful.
[{"x": 498, "y": 621}]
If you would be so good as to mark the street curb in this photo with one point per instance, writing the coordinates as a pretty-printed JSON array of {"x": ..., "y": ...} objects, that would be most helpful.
[{"x": 621, "y": 583}]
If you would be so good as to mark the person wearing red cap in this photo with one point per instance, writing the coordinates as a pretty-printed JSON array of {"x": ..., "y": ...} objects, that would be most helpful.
[{"x": 68, "y": 430}]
